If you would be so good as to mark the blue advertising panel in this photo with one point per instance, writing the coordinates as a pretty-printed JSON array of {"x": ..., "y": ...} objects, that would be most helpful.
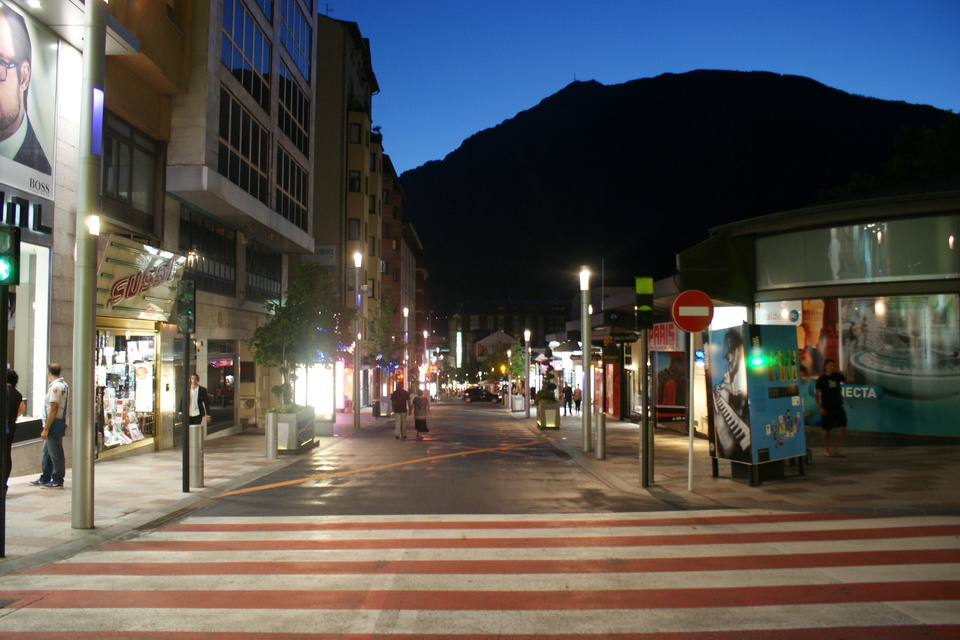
[{"x": 773, "y": 379}]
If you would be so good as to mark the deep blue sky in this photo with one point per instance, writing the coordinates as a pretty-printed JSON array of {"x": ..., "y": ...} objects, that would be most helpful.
[{"x": 450, "y": 68}]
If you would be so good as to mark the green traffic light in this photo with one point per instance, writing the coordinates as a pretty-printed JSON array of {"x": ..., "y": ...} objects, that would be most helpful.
[{"x": 9, "y": 256}]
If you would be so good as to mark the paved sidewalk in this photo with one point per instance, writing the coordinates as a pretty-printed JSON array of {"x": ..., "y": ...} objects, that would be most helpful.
[
  {"x": 887, "y": 480},
  {"x": 132, "y": 492}
]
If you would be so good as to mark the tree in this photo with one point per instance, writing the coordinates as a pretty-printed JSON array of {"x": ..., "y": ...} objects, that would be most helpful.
[
  {"x": 383, "y": 341},
  {"x": 311, "y": 325}
]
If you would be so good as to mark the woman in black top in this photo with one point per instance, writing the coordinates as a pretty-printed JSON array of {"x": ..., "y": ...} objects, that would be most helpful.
[{"x": 15, "y": 408}]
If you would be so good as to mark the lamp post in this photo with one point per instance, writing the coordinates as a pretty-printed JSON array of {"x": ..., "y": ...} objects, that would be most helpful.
[
  {"x": 406, "y": 345},
  {"x": 587, "y": 359},
  {"x": 526, "y": 373},
  {"x": 509, "y": 394},
  {"x": 426, "y": 359},
  {"x": 357, "y": 263}
]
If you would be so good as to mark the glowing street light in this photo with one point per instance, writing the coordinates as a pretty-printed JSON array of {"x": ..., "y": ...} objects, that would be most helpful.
[
  {"x": 526, "y": 373},
  {"x": 586, "y": 339},
  {"x": 357, "y": 263},
  {"x": 406, "y": 344}
]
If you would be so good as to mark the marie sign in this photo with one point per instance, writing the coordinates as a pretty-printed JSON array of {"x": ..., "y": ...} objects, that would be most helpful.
[{"x": 136, "y": 280}]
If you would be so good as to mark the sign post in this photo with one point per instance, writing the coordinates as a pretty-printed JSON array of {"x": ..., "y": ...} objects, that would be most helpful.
[{"x": 692, "y": 311}]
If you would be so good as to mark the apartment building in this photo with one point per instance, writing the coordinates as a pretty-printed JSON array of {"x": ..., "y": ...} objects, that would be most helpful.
[
  {"x": 205, "y": 165},
  {"x": 347, "y": 182}
]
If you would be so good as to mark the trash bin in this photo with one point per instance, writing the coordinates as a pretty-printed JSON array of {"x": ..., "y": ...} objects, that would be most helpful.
[{"x": 376, "y": 408}]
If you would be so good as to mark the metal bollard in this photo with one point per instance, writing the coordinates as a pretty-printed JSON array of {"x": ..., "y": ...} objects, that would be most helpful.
[
  {"x": 196, "y": 455},
  {"x": 601, "y": 436},
  {"x": 271, "y": 436}
]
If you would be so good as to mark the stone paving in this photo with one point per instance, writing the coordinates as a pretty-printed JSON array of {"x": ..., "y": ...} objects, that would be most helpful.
[{"x": 132, "y": 492}]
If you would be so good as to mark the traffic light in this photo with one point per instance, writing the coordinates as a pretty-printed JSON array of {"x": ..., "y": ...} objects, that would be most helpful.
[
  {"x": 186, "y": 306},
  {"x": 9, "y": 256},
  {"x": 644, "y": 288}
]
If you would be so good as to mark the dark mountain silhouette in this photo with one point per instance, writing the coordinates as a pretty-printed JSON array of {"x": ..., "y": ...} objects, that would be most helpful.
[{"x": 624, "y": 177}]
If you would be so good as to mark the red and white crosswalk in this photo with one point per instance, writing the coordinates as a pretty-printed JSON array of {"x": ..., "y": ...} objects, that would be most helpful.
[{"x": 651, "y": 576}]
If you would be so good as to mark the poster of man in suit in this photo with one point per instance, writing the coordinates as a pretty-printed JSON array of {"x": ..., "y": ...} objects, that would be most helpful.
[{"x": 28, "y": 69}]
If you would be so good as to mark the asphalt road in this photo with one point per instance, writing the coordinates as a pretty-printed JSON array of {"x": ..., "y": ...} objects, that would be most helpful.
[{"x": 475, "y": 460}]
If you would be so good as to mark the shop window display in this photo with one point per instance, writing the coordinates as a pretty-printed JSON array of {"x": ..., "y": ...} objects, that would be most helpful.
[{"x": 125, "y": 375}]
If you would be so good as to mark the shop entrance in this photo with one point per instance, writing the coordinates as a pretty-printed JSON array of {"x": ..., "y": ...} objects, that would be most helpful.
[
  {"x": 126, "y": 387},
  {"x": 222, "y": 366}
]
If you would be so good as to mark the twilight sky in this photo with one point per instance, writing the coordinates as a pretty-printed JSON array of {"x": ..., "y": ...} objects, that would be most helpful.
[{"x": 450, "y": 68}]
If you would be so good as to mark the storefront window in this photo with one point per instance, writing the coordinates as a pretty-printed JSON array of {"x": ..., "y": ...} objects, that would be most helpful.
[{"x": 126, "y": 389}]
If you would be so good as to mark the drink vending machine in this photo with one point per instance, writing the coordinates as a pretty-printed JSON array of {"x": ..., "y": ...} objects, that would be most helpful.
[{"x": 755, "y": 415}]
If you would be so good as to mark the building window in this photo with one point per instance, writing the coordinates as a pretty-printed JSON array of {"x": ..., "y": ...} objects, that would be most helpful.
[
  {"x": 354, "y": 133},
  {"x": 293, "y": 116},
  {"x": 244, "y": 148},
  {"x": 132, "y": 163},
  {"x": 245, "y": 51},
  {"x": 267, "y": 7},
  {"x": 353, "y": 181},
  {"x": 291, "y": 190},
  {"x": 215, "y": 246},
  {"x": 373, "y": 162},
  {"x": 372, "y": 243},
  {"x": 371, "y": 204},
  {"x": 264, "y": 267},
  {"x": 295, "y": 35},
  {"x": 353, "y": 229}
]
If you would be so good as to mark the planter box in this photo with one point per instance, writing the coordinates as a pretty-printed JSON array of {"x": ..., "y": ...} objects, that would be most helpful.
[
  {"x": 295, "y": 431},
  {"x": 517, "y": 402},
  {"x": 548, "y": 415}
]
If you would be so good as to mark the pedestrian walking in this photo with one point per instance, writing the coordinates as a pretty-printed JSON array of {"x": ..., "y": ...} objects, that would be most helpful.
[
  {"x": 830, "y": 404},
  {"x": 567, "y": 400},
  {"x": 52, "y": 460},
  {"x": 15, "y": 409},
  {"x": 577, "y": 398},
  {"x": 421, "y": 407},
  {"x": 198, "y": 404},
  {"x": 400, "y": 401}
]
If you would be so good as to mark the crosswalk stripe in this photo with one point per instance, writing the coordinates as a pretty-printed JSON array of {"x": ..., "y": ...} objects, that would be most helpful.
[
  {"x": 756, "y": 574},
  {"x": 531, "y": 542},
  {"x": 511, "y": 567}
]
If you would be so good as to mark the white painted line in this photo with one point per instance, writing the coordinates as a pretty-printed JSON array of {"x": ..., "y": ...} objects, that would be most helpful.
[{"x": 693, "y": 311}]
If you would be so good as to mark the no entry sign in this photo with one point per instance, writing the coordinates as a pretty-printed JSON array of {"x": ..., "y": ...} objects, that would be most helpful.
[{"x": 692, "y": 311}]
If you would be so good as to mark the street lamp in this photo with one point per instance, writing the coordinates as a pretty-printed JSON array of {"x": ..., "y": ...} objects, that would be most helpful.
[
  {"x": 586, "y": 339},
  {"x": 406, "y": 345},
  {"x": 358, "y": 263},
  {"x": 509, "y": 393},
  {"x": 526, "y": 373}
]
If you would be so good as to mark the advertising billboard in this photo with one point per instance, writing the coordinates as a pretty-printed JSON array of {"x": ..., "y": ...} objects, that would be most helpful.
[
  {"x": 28, "y": 81},
  {"x": 755, "y": 395}
]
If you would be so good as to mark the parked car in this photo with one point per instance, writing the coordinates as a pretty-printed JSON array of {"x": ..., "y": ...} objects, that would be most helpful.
[{"x": 479, "y": 394}]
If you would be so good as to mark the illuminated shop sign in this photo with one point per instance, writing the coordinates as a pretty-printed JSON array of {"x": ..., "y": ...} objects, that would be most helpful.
[{"x": 136, "y": 280}]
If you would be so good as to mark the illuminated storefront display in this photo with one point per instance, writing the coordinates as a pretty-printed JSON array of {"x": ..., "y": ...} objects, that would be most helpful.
[{"x": 136, "y": 292}]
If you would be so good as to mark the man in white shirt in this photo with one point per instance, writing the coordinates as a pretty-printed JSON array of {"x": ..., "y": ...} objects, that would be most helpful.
[{"x": 53, "y": 462}]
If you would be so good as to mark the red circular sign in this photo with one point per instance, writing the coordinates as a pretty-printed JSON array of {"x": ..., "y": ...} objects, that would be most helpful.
[{"x": 692, "y": 311}]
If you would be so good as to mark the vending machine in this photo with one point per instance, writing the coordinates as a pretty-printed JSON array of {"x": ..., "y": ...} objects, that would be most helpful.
[{"x": 754, "y": 389}]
